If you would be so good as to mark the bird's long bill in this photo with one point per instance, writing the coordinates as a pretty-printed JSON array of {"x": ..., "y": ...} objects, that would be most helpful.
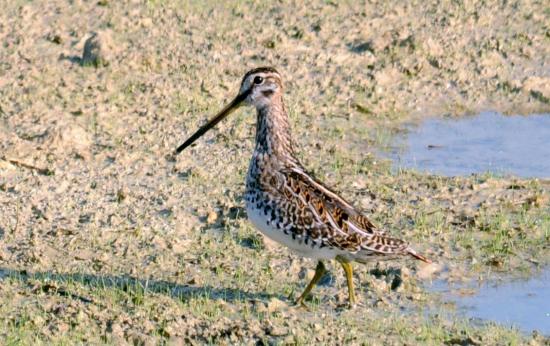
[{"x": 212, "y": 122}]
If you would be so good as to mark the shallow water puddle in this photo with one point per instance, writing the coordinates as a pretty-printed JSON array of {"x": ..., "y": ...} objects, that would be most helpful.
[
  {"x": 516, "y": 145},
  {"x": 524, "y": 304}
]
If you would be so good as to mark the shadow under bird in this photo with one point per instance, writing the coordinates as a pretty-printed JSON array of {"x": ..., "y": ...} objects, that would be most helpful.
[{"x": 289, "y": 205}]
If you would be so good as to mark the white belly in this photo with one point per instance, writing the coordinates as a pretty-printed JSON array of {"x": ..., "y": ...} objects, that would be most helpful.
[{"x": 260, "y": 221}]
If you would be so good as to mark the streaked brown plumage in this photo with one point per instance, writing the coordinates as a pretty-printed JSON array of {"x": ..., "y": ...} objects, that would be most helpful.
[{"x": 289, "y": 205}]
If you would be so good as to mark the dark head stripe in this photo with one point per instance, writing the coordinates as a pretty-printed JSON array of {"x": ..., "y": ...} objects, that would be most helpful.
[{"x": 265, "y": 69}]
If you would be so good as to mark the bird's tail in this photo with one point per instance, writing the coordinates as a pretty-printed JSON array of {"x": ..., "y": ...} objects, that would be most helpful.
[{"x": 417, "y": 255}]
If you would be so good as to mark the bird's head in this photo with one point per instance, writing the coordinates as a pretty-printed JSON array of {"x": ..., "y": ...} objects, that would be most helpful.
[{"x": 259, "y": 88}]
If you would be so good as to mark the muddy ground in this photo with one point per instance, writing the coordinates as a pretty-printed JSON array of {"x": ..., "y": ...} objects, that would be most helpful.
[{"x": 103, "y": 239}]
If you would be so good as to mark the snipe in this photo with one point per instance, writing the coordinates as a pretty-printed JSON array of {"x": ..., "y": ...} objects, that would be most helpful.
[{"x": 289, "y": 205}]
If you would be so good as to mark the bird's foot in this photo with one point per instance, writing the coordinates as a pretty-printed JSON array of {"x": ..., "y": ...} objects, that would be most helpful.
[{"x": 299, "y": 303}]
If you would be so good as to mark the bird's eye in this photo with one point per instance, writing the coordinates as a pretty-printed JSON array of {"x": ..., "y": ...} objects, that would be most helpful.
[{"x": 258, "y": 80}]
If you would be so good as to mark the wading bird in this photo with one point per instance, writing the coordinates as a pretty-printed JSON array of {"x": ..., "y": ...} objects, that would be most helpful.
[{"x": 289, "y": 205}]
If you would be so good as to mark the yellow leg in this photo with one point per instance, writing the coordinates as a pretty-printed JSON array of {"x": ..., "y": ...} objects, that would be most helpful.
[
  {"x": 349, "y": 278},
  {"x": 320, "y": 270}
]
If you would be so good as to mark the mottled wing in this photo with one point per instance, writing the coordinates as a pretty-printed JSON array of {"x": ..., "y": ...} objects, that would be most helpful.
[
  {"x": 350, "y": 230},
  {"x": 332, "y": 209}
]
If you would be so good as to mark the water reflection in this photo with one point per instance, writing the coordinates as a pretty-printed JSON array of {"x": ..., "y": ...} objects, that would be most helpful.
[
  {"x": 517, "y": 145},
  {"x": 524, "y": 304}
]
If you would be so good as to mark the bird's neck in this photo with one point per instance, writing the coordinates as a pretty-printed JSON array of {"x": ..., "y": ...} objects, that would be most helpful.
[{"x": 273, "y": 130}]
